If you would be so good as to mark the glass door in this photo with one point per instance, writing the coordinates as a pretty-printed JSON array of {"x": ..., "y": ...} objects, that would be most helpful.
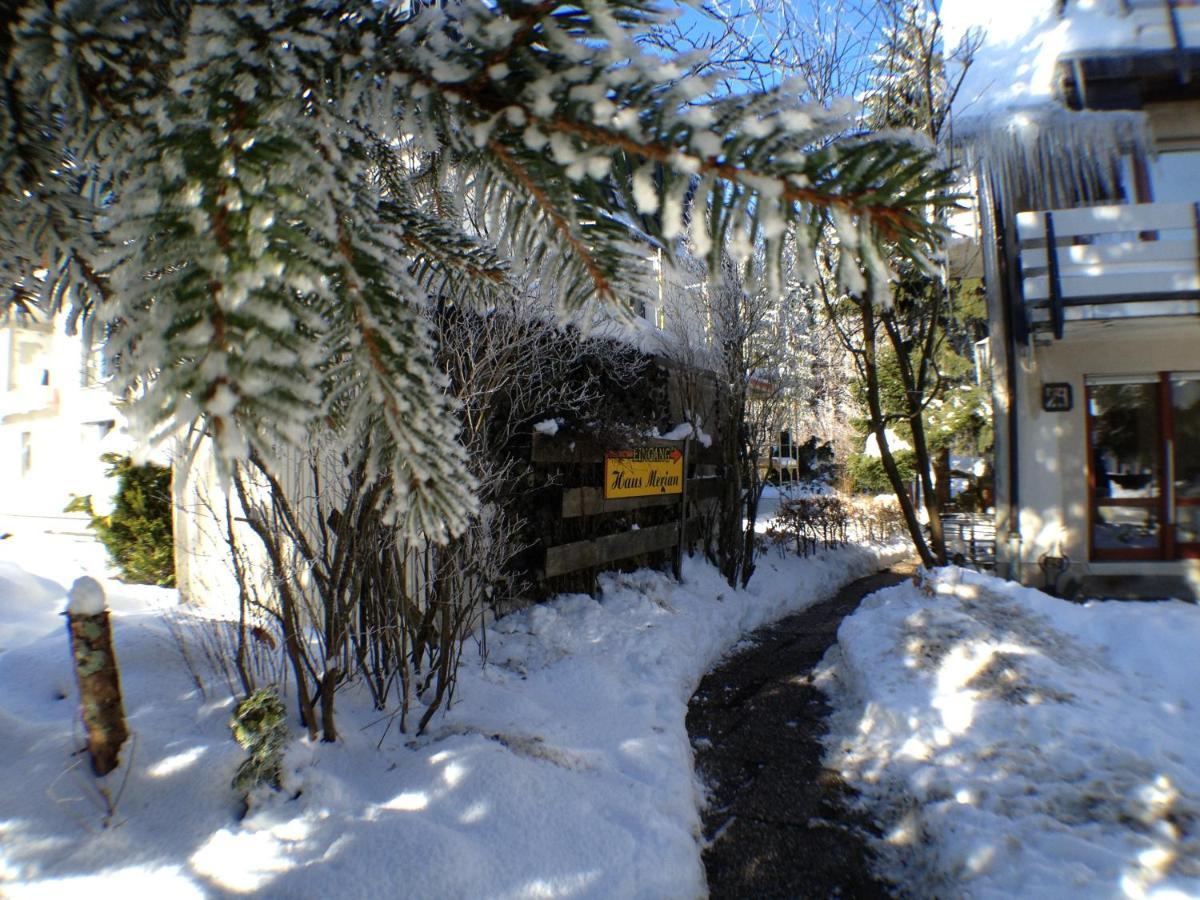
[
  {"x": 1183, "y": 462},
  {"x": 1125, "y": 451}
]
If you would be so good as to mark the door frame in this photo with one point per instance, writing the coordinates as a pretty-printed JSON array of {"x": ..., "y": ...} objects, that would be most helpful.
[{"x": 1168, "y": 549}]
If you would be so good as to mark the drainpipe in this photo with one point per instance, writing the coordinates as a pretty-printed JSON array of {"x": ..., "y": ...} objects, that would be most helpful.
[{"x": 1013, "y": 321}]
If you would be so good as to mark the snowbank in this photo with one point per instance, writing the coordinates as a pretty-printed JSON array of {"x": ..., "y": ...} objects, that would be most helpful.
[
  {"x": 1014, "y": 744},
  {"x": 563, "y": 769}
]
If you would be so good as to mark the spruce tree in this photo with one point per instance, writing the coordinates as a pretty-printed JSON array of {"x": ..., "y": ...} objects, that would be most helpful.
[{"x": 255, "y": 202}]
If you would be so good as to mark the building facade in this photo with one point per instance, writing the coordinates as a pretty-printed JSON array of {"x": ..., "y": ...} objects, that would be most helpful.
[
  {"x": 56, "y": 419},
  {"x": 1082, "y": 125}
]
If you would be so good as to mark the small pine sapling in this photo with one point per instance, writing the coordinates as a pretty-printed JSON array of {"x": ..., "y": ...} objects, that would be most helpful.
[{"x": 259, "y": 725}]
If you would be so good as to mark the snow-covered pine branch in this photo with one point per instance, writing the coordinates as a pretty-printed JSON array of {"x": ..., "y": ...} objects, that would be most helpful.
[{"x": 232, "y": 189}]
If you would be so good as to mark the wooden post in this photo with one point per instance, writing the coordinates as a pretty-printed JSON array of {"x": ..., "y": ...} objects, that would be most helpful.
[
  {"x": 683, "y": 516},
  {"x": 96, "y": 674},
  {"x": 1056, "y": 298}
]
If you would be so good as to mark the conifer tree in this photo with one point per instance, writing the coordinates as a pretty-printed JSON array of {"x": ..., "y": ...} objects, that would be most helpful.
[
  {"x": 253, "y": 200},
  {"x": 895, "y": 325}
]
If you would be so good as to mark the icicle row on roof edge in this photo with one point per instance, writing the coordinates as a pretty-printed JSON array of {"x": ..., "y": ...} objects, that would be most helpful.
[{"x": 1051, "y": 157}]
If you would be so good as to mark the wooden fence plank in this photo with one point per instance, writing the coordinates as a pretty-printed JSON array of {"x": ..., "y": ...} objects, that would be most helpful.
[
  {"x": 554, "y": 449},
  {"x": 589, "y": 501},
  {"x": 572, "y": 557},
  {"x": 704, "y": 488}
]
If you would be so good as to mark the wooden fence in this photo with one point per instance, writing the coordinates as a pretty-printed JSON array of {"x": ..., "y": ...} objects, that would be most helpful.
[{"x": 584, "y": 533}]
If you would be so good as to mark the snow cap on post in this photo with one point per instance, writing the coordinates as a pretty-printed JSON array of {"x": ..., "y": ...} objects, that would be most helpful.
[{"x": 86, "y": 597}]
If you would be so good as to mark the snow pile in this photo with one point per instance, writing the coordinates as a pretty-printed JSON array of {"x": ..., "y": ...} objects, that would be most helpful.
[
  {"x": 563, "y": 769},
  {"x": 547, "y": 427},
  {"x": 35, "y": 572},
  {"x": 1014, "y": 744}
]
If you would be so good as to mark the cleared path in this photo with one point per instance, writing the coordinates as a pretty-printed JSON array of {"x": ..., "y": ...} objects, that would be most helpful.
[{"x": 776, "y": 824}]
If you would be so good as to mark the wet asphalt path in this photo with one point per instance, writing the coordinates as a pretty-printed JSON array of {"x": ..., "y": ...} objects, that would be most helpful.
[{"x": 776, "y": 825}]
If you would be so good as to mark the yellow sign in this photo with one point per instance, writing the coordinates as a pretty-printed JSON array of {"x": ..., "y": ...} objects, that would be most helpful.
[{"x": 643, "y": 472}]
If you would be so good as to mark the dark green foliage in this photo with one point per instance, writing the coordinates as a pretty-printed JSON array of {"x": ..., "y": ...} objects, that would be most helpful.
[
  {"x": 816, "y": 461},
  {"x": 138, "y": 533},
  {"x": 259, "y": 725},
  {"x": 868, "y": 477}
]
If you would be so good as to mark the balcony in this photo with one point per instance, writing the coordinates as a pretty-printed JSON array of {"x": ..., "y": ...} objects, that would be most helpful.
[
  {"x": 28, "y": 401},
  {"x": 1164, "y": 23},
  {"x": 1109, "y": 262}
]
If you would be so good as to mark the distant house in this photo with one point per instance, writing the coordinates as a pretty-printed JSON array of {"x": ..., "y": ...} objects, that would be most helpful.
[
  {"x": 56, "y": 418},
  {"x": 1082, "y": 124}
]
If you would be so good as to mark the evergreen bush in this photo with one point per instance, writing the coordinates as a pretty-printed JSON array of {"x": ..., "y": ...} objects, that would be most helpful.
[
  {"x": 259, "y": 725},
  {"x": 138, "y": 533},
  {"x": 867, "y": 475}
]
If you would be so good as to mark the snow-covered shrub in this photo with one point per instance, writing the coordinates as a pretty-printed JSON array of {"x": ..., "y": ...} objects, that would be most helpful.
[{"x": 356, "y": 597}]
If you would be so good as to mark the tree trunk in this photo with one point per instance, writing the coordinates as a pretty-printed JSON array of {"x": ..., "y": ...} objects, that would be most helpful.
[
  {"x": 875, "y": 406},
  {"x": 932, "y": 507},
  {"x": 941, "y": 469},
  {"x": 99, "y": 688}
]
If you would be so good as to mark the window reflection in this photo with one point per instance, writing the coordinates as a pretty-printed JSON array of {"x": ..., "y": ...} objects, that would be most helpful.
[
  {"x": 1185, "y": 409},
  {"x": 1124, "y": 434}
]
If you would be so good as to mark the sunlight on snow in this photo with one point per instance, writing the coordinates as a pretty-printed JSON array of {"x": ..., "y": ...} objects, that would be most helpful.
[
  {"x": 243, "y": 861},
  {"x": 134, "y": 881},
  {"x": 551, "y": 888},
  {"x": 453, "y": 773},
  {"x": 476, "y": 812},
  {"x": 409, "y": 801},
  {"x": 952, "y": 700},
  {"x": 14, "y": 834},
  {"x": 169, "y": 765}
]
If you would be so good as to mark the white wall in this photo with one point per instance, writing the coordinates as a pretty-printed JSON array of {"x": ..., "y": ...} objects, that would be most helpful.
[
  {"x": 1053, "y": 445},
  {"x": 50, "y": 436}
]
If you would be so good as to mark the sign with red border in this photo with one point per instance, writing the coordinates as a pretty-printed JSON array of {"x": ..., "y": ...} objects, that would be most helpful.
[{"x": 643, "y": 472}]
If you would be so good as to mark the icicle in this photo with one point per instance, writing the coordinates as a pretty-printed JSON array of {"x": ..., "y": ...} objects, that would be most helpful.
[{"x": 1051, "y": 157}]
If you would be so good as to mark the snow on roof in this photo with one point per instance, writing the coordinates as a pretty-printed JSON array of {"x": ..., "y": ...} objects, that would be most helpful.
[
  {"x": 1023, "y": 40},
  {"x": 1006, "y": 113}
]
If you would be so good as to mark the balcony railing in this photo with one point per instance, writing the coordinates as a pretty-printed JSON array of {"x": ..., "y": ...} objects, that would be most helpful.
[
  {"x": 1106, "y": 262},
  {"x": 1164, "y": 23}
]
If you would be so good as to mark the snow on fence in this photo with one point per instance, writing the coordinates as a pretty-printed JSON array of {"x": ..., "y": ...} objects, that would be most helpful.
[{"x": 1104, "y": 262}]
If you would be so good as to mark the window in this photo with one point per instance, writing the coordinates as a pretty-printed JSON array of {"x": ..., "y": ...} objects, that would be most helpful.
[
  {"x": 1184, "y": 459},
  {"x": 1143, "y": 437},
  {"x": 1175, "y": 176}
]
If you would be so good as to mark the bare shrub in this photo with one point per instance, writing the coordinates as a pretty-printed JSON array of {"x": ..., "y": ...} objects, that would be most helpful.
[
  {"x": 877, "y": 519},
  {"x": 348, "y": 594},
  {"x": 807, "y": 523}
]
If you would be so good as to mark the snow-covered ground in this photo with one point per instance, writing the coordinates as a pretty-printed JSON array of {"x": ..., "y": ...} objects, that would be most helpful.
[
  {"x": 1016, "y": 745},
  {"x": 563, "y": 770}
]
